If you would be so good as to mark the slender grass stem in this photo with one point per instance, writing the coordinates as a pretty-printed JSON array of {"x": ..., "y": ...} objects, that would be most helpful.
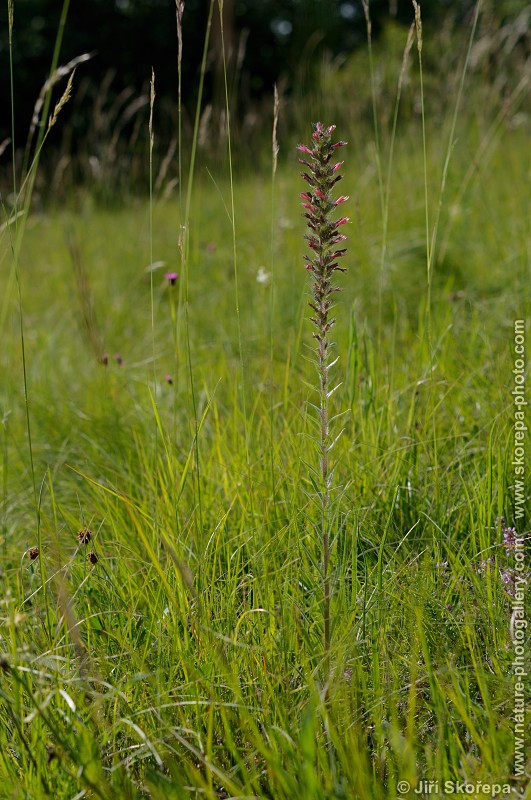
[
  {"x": 184, "y": 288},
  {"x": 418, "y": 25},
  {"x": 243, "y": 387},
  {"x": 429, "y": 251},
  {"x": 451, "y": 138},
  {"x": 383, "y": 191},
  {"x": 274, "y": 160},
  {"x": 387, "y": 189}
]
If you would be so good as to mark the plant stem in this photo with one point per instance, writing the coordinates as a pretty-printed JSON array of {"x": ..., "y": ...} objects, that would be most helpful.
[{"x": 323, "y": 368}]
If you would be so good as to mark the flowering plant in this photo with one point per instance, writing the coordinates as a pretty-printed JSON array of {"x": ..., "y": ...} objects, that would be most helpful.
[{"x": 324, "y": 240}]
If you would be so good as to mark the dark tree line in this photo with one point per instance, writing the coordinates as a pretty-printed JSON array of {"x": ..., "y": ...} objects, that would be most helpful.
[{"x": 264, "y": 40}]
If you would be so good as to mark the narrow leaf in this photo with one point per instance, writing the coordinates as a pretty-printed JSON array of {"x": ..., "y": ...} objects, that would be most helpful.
[{"x": 331, "y": 392}]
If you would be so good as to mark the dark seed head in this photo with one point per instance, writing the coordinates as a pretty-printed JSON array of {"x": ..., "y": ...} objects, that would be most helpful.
[
  {"x": 33, "y": 553},
  {"x": 84, "y": 536},
  {"x": 92, "y": 558}
]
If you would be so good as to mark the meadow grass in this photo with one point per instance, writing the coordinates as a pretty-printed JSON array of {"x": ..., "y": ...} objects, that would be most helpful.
[{"x": 177, "y": 651}]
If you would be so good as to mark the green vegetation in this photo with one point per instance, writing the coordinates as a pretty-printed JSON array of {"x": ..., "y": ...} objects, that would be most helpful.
[{"x": 166, "y": 639}]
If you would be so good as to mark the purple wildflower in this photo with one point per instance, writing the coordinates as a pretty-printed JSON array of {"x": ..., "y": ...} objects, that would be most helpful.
[
  {"x": 509, "y": 538},
  {"x": 171, "y": 277},
  {"x": 322, "y": 238},
  {"x": 507, "y": 577}
]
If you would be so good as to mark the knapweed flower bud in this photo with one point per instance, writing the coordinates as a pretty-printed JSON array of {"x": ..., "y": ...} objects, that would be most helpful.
[{"x": 171, "y": 277}]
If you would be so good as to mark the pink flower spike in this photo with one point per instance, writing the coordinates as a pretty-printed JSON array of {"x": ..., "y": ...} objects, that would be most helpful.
[
  {"x": 304, "y": 149},
  {"x": 171, "y": 277},
  {"x": 342, "y": 221},
  {"x": 337, "y": 166},
  {"x": 342, "y": 199},
  {"x": 331, "y": 129},
  {"x": 320, "y": 194}
]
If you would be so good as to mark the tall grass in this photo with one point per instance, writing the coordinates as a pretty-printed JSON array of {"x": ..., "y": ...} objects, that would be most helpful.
[{"x": 149, "y": 649}]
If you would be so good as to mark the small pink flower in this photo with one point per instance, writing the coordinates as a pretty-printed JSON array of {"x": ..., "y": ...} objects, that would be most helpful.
[
  {"x": 171, "y": 277},
  {"x": 338, "y": 144},
  {"x": 342, "y": 199},
  {"x": 168, "y": 379},
  {"x": 342, "y": 221},
  {"x": 337, "y": 166},
  {"x": 118, "y": 358},
  {"x": 304, "y": 149},
  {"x": 320, "y": 194}
]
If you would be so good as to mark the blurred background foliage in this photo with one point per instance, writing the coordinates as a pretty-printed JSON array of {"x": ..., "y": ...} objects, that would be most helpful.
[{"x": 315, "y": 51}]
